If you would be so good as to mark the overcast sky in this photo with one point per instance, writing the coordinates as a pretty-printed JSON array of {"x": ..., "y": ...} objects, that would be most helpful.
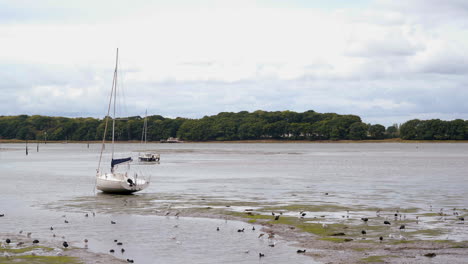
[{"x": 387, "y": 61}]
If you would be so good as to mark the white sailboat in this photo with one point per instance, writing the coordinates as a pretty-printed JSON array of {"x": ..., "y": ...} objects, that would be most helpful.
[
  {"x": 115, "y": 181},
  {"x": 147, "y": 156}
]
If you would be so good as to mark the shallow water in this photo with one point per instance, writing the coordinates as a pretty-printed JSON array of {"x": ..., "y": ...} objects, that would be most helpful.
[{"x": 59, "y": 180}]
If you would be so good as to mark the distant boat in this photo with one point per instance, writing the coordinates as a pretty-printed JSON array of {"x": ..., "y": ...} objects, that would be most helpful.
[
  {"x": 171, "y": 140},
  {"x": 114, "y": 181},
  {"x": 147, "y": 156}
]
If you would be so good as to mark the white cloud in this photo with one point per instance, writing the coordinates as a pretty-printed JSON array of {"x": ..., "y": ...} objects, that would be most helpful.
[{"x": 186, "y": 60}]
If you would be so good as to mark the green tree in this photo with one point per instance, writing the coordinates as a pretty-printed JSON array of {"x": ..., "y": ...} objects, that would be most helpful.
[
  {"x": 358, "y": 131},
  {"x": 392, "y": 131},
  {"x": 377, "y": 131}
]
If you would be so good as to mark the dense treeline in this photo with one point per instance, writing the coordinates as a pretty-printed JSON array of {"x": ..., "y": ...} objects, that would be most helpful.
[
  {"x": 60, "y": 128},
  {"x": 309, "y": 125},
  {"x": 434, "y": 129}
]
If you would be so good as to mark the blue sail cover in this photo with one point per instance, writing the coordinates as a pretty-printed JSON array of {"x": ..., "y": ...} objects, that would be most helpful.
[{"x": 118, "y": 161}]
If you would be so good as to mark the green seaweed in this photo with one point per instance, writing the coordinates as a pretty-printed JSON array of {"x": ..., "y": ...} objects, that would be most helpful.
[
  {"x": 334, "y": 239},
  {"x": 30, "y": 259},
  {"x": 314, "y": 228},
  {"x": 24, "y": 250},
  {"x": 409, "y": 210},
  {"x": 308, "y": 208},
  {"x": 430, "y": 214},
  {"x": 361, "y": 249},
  {"x": 402, "y": 242},
  {"x": 366, "y": 241},
  {"x": 373, "y": 259},
  {"x": 463, "y": 244},
  {"x": 426, "y": 232}
]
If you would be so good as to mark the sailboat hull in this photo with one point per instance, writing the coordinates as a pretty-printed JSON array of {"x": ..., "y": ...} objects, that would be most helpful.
[{"x": 118, "y": 183}]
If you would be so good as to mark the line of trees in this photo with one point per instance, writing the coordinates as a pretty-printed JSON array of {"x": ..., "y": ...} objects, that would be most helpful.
[
  {"x": 309, "y": 125},
  {"x": 244, "y": 125},
  {"x": 434, "y": 129},
  {"x": 82, "y": 129}
]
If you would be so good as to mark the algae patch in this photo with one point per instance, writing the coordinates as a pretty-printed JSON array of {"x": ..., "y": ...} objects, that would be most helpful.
[
  {"x": 373, "y": 259},
  {"x": 24, "y": 250},
  {"x": 30, "y": 259}
]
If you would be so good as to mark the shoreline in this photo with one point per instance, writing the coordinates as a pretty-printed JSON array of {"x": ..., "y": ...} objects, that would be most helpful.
[
  {"x": 326, "y": 232},
  {"x": 344, "y": 250},
  {"x": 256, "y": 141},
  {"x": 323, "y": 251}
]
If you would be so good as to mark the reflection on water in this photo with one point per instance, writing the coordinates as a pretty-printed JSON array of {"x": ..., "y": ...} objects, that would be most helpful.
[{"x": 423, "y": 178}]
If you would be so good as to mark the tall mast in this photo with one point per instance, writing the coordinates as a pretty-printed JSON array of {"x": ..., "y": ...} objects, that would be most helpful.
[
  {"x": 146, "y": 124},
  {"x": 145, "y": 128},
  {"x": 115, "y": 96},
  {"x": 107, "y": 118}
]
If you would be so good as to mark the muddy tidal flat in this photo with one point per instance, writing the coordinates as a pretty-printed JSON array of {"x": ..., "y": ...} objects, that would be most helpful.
[{"x": 239, "y": 203}]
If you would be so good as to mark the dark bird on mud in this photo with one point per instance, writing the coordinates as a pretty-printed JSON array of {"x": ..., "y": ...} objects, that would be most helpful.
[
  {"x": 365, "y": 219},
  {"x": 326, "y": 193},
  {"x": 35, "y": 241},
  {"x": 115, "y": 240},
  {"x": 217, "y": 229},
  {"x": 119, "y": 243},
  {"x": 111, "y": 251},
  {"x": 2, "y": 215},
  {"x": 94, "y": 214},
  {"x": 122, "y": 250},
  {"x": 240, "y": 230},
  {"x": 253, "y": 228},
  {"x": 402, "y": 227},
  {"x": 301, "y": 251},
  {"x": 363, "y": 232},
  {"x": 8, "y": 241},
  {"x": 20, "y": 244},
  {"x": 303, "y": 214},
  {"x": 386, "y": 222},
  {"x": 272, "y": 213},
  {"x": 271, "y": 245},
  {"x": 430, "y": 255},
  {"x": 380, "y": 238},
  {"x": 461, "y": 218},
  {"x": 86, "y": 215},
  {"x": 66, "y": 222},
  {"x": 259, "y": 236},
  {"x": 112, "y": 222},
  {"x": 65, "y": 244},
  {"x": 51, "y": 228},
  {"x": 277, "y": 217},
  {"x": 29, "y": 234},
  {"x": 261, "y": 255},
  {"x": 130, "y": 260},
  {"x": 86, "y": 240}
]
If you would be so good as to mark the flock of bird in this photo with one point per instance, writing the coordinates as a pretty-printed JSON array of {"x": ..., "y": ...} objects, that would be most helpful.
[
  {"x": 397, "y": 216},
  {"x": 402, "y": 217},
  {"x": 65, "y": 244}
]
